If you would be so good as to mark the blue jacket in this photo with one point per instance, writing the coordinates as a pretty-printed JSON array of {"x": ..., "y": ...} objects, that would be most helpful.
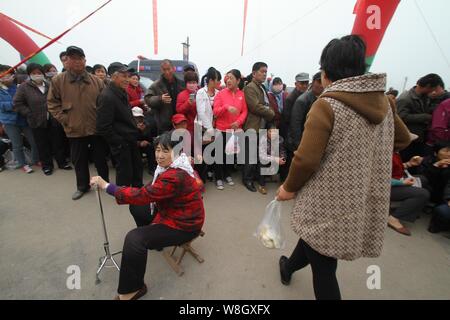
[{"x": 7, "y": 115}]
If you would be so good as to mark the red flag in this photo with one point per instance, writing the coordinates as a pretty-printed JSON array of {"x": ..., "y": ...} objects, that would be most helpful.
[
  {"x": 371, "y": 22},
  {"x": 245, "y": 22},
  {"x": 155, "y": 26}
]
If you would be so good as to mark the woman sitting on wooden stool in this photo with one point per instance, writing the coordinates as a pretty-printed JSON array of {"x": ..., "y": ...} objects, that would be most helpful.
[{"x": 175, "y": 197}]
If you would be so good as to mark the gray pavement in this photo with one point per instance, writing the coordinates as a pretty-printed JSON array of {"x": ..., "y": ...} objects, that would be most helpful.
[{"x": 43, "y": 232}]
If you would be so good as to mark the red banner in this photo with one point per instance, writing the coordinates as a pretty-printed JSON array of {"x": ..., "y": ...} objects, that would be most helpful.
[
  {"x": 155, "y": 26},
  {"x": 245, "y": 22},
  {"x": 371, "y": 22}
]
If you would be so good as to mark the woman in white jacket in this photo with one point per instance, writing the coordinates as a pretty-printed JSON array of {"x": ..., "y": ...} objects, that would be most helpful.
[{"x": 205, "y": 100}]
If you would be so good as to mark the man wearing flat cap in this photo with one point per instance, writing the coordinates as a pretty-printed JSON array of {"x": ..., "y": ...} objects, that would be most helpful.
[
  {"x": 115, "y": 122},
  {"x": 72, "y": 100}
]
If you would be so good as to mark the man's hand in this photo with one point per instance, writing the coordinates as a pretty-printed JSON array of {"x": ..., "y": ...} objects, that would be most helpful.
[
  {"x": 166, "y": 98},
  {"x": 415, "y": 161},
  {"x": 98, "y": 181},
  {"x": 283, "y": 195},
  {"x": 282, "y": 161},
  {"x": 144, "y": 144}
]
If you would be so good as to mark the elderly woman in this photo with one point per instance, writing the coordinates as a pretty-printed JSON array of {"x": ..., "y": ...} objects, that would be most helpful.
[
  {"x": 341, "y": 171},
  {"x": 175, "y": 199}
]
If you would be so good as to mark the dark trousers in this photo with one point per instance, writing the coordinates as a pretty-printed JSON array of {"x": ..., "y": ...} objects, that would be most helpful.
[
  {"x": 50, "y": 142},
  {"x": 223, "y": 170},
  {"x": 413, "y": 200},
  {"x": 323, "y": 268},
  {"x": 80, "y": 159},
  {"x": 134, "y": 253},
  {"x": 251, "y": 171},
  {"x": 3, "y": 148},
  {"x": 128, "y": 165}
]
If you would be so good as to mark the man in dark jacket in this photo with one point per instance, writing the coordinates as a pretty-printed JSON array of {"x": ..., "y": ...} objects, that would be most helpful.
[
  {"x": 301, "y": 86},
  {"x": 298, "y": 117},
  {"x": 414, "y": 109},
  {"x": 115, "y": 122},
  {"x": 438, "y": 96},
  {"x": 162, "y": 96}
]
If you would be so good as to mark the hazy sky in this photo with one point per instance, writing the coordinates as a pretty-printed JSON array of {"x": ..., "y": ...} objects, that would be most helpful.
[{"x": 289, "y": 35}]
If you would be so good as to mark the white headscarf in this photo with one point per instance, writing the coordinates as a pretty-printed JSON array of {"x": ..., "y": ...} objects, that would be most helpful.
[{"x": 182, "y": 162}]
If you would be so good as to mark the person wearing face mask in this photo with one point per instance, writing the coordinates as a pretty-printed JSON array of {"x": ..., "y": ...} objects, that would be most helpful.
[
  {"x": 116, "y": 124},
  {"x": 30, "y": 101},
  {"x": 49, "y": 71},
  {"x": 277, "y": 101},
  {"x": 14, "y": 123}
]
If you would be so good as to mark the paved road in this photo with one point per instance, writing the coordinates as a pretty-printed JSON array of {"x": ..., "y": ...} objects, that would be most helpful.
[{"x": 43, "y": 232}]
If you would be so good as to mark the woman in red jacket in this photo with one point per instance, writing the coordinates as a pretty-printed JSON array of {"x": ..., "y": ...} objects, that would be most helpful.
[
  {"x": 230, "y": 111},
  {"x": 175, "y": 201},
  {"x": 186, "y": 100},
  {"x": 135, "y": 92}
]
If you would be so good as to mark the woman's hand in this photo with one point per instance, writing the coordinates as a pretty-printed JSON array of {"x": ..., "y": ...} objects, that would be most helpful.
[
  {"x": 98, "y": 181},
  {"x": 232, "y": 110},
  {"x": 283, "y": 195},
  {"x": 235, "y": 125},
  {"x": 409, "y": 182},
  {"x": 443, "y": 163}
]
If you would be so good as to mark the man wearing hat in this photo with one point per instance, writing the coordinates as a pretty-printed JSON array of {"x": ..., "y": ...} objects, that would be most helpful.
[
  {"x": 301, "y": 86},
  {"x": 72, "y": 100},
  {"x": 115, "y": 122}
]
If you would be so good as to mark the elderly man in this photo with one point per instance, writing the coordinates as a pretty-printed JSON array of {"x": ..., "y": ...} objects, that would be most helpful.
[
  {"x": 115, "y": 122},
  {"x": 301, "y": 86},
  {"x": 162, "y": 96},
  {"x": 72, "y": 100}
]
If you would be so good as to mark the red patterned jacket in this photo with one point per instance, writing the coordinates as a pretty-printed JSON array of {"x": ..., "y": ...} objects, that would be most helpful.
[{"x": 177, "y": 195}]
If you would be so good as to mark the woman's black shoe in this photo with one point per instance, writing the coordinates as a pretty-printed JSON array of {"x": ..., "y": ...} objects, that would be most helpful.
[
  {"x": 48, "y": 171},
  {"x": 66, "y": 167},
  {"x": 284, "y": 273}
]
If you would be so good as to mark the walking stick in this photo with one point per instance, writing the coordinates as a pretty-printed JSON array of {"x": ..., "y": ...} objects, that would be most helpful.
[{"x": 108, "y": 256}]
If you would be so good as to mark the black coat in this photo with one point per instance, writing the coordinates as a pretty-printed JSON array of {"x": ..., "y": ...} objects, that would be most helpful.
[
  {"x": 298, "y": 118},
  {"x": 415, "y": 112},
  {"x": 115, "y": 122},
  {"x": 163, "y": 112}
]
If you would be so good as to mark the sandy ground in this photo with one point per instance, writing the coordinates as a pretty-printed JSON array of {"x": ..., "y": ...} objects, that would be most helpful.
[{"x": 43, "y": 232}]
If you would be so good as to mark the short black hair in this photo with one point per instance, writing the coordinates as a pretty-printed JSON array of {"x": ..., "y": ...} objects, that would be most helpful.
[
  {"x": 62, "y": 54},
  {"x": 166, "y": 61},
  {"x": 393, "y": 92},
  {"x": 89, "y": 69},
  {"x": 441, "y": 144},
  {"x": 317, "y": 77},
  {"x": 165, "y": 141},
  {"x": 190, "y": 76},
  {"x": 132, "y": 74},
  {"x": 259, "y": 65},
  {"x": 211, "y": 74},
  {"x": 34, "y": 66},
  {"x": 430, "y": 80},
  {"x": 48, "y": 66},
  {"x": 4, "y": 68},
  {"x": 344, "y": 58},
  {"x": 98, "y": 66}
]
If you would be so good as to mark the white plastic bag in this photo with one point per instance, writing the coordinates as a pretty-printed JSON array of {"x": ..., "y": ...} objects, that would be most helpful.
[
  {"x": 232, "y": 146},
  {"x": 269, "y": 230}
]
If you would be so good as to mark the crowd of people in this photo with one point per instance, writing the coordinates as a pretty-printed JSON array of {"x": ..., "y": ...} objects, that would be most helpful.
[{"x": 334, "y": 140}]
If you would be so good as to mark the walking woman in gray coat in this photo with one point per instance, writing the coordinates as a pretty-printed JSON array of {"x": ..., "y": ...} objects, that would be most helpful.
[{"x": 341, "y": 172}]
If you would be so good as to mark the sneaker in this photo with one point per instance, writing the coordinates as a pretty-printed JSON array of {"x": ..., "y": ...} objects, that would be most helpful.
[
  {"x": 66, "y": 167},
  {"x": 26, "y": 168},
  {"x": 48, "y": 171},
  {"x": 229, "y": 180},
  {"x": 262, "y": 189},
  {"x": 219, "y": 185}
]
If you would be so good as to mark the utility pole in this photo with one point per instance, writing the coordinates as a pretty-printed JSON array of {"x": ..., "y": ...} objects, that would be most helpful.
[
  {"x": 186, "y": 46},
  {"x": 404, "y": 85}
]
